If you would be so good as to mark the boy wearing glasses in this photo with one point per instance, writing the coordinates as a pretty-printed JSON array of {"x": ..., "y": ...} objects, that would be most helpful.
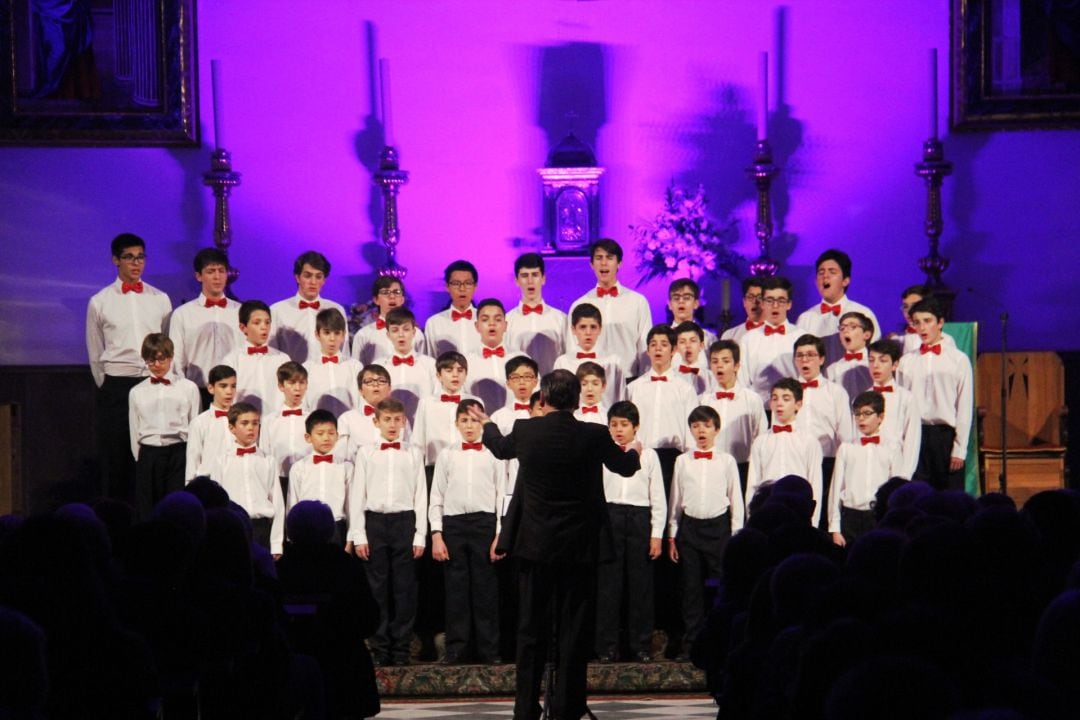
[
  {"x": 371, "y": 341},
  {"x": 454, "y": 329},
  {"x": 522, "y": 378},
  {"x": 118, "y": 318},
  {"x": 766, "y": 351},
  {"x": 832, "y": 278},
  {"x": 752, "y": 293},
  {"x": 534, "y": 327}
]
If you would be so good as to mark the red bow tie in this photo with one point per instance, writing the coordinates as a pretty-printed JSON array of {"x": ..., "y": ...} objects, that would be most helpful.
[
  {"x": 699, "y": 455},
  {"x": 390, "y": 446},
  {"x": 586, "y": 356},
  {"x": 527, "y": 309},
  {"x": 472, "y": 446},
  {"x": 498, "y": 352},
  {"x": 910, "y": 330},
  {"x": 924, "y": 348},
  {"x": 781, "y": 428},
  {"x": 240, "y": 452},
  {"x": 135, "y": 287},
  {"x": 883, "y": 388},
  {"x": 685, "y": 369},
  {"x": 585, "y": 409},
  {"x": 407, "y": 360},
  {"x": 261, "y": 350},
  {"x": 332, "y": 359},
  {"x": 604, "y": 292},
  {"x": 658, "y": 378},
  {"x": 221, "y": 303},
  {"x": 778, "y": 330},
  {"x": 368, "y": 410},
  {"x": 316, "y": 459},
  {"x": 810, "y": 384},
  {"x": 380, "y": 324},
  {"x": 853, "y": 356},
  {"x": 875, "y": 440},
  {"x": 826, "y": 308},
  {"x": 304, "y": 305},
  {"x": 751, "y": 325},
  {"x": 721, "y": 395},
  {"x": 160, "y": 381},
  {"x": 451, "y": 398},
  {"x": 221, "y": 413},
  {"x": 295, "y": 412},
  {"x": 455, "y": 315},
  {"x": 521, "y": 406}
]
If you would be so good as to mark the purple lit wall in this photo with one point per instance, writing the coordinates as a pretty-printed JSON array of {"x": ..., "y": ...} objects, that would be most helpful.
[{"x": 664, "y": 89}]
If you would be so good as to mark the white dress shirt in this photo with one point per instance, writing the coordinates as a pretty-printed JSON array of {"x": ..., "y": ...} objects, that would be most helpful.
[
  {"x": 859, "y": 471},
  {"x": 327, "y": 482},
  {"x": 487, "y": 377},
  {"x": 705, "y": 488},
  {"x": 702, "y": 380},
  {"x": 443, "y": 334},
  {"x": 466, "y": 481},
  {"x": 645, "y": 488},
  {"x": 388, "y": 481},
  {"x": 252, "y": 482},
  {"x": 409, "y": 383},
  {"x": 903, "y": 424},
  {"x": 826, "y": 325},
  {"x": 614, "y": 379},
  {"x": 371, "y": 342},
  {"x": 777, "y": 454},
  {"x": 436, "y": 424},
  {"x": 943, "y": 387},
  {"x": 256, "y": 376},
  {"x": 333, "y": 385},
  {"x": 826, "y": 414},
  {"x": 540, "y": 335},
  {"x": 626, "y": 320},
  {"x": 202, "y": 337},
  {"x": 853, "y": 375},
  {"x": 508, "y": 414},
  {"x": 208, "y": 436},
  {"x": 767, "y": 358},
  {"x": 912, "y": 341},
  {"x": 598, "y": 416},
  {"x": 736, "y": 332},
  {"x": 293, "y": 329},
  {"x": 159, "y": 414},
  {"x": 282, "y": 437},
  {"x": 116, "y": 325},
  {"x": 357, "y": 429},
  {"x": 742, "y": 420},
  {"x": 665, "y": 407}
]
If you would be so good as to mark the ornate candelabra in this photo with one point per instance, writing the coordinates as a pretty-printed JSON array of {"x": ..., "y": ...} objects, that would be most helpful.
[
  {"x": 933, "y": 169},
  {"x": 390, "y": 178},
  {"x": 762, "y": 172},
  {"x": 221, "y": 179}
]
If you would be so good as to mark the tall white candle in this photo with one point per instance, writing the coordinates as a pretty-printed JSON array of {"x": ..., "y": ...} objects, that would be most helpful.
[
  {"x": 933, "y": 94},
  {"x": 384, "y": 101},
  {"x": 219, "y": 104},
  {"x": 763, "y": 98}
]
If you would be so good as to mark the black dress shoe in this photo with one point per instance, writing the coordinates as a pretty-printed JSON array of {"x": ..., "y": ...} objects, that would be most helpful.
[
  {"x": 607, "y": 657},
  {"x": 642, "y": 657},
  {"x": 381, "y": 661}
]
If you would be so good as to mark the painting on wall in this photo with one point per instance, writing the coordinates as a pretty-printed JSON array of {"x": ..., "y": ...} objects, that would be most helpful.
[
  {"x": 98, "y": 72},
  {"x": 1015, "y": 64}
]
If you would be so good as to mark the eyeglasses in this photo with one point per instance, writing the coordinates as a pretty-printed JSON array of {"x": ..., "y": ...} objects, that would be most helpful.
[
  {"x": 519, "y": 377},
  {"x": 158, "y": 360},
  {"x": 775, "y": 301},
  {"x": 750, "y": 298},
  {"x": 850, "y": 326},
  {"x": 128, "y": 257},
  {"x": 375, "y": 382},
  {"x": 864, "y": 414},
  {"x": 806, "y": 356},
  {"x": 682, "y": 297},
  {"x": 391, "y": 292},
  {"x": 461, "y": 284}
]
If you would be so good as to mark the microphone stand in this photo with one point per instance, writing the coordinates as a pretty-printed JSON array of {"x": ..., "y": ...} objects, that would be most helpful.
[{"x": 1003, "y": 478}]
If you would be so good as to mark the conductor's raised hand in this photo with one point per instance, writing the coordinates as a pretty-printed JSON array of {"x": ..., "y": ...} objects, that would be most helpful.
[{"x": 477, "y": 414}]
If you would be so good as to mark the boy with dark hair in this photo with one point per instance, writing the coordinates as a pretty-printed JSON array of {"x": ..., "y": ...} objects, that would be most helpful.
[
  {"x": 903, "y": 420},
  {"x": 388, "y": 529},
  {"x": 742, "y": 416},
  {"x": 522, "y": 377},
  {"x": 454, "y": 329},
  {"x": 785, "y": 449},
  {"x": 249, "y": 476},
  {"x": 705, "y": 510},
  {"x": 294, "y": 318},
  {"x": 533, "y": 327},
  {"x": 357, "y": 428},
  {"x": 487, "y": 368},
  {"x": 941, "y": 379},
  {"x": 586, "y": 326},
  {"x": 332, "y": 373},
  {"x": 371, "y": 341},
  {"x": 767, "y": 351},
  {"x": 684, "y": 300},
  {"x": 208, "y": 433},
  {"x": 206, "y": 329},
  {"x": 466, "y": 494},
  {"x": 909, "y": 336},
  {"x": 323, "y": 475},
  {"x": 626, "y": 313},
  {"x": 118, "y": 317},
  {"x": 412, "y": 374},
  {"x": 861, "y": 468},
  {"x": 256, "y": 362},
  {"x": 161, "y": 408},
  {"x": 283, "y": 434},
  {"x": 637, "y": 510},
  {"x": 435, "y": 426},
  {"x": 833, "y": 277},
  {"x": 852, "y": 369},
  {"x": 752, "y": 294},
  {"x": 593, "y": 380},
  {"x": 690, "y": 361}
]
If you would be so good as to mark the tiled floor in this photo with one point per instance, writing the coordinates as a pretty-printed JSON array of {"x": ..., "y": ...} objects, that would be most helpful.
[{"x": 604, "y": 709}]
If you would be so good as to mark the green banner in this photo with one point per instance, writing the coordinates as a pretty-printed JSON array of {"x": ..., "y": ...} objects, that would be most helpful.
[{"x": 966, "y": 335}]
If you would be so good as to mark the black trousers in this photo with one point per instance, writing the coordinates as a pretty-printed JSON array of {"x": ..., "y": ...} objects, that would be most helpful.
[
  {"x": 158, "y": 472},
  {"x": 260, "y": 531},
  {"x": 934, "y": 454},
  {"x": 555, "y": 601},
  {"x": 114, "y": 438},
  {"x": 827, "y": 465},
  {"x": 627, "y": 576},
  {"x": 700, "y": 544},
  {"x": 472, "y": 590},
  {"x": 855, "y": 523},
  {"x": 430, "y": 591},
  {"x": 667, "y": 616},
  {"x": 391, "y": 572},
  {"x": 744, "y": 473}
]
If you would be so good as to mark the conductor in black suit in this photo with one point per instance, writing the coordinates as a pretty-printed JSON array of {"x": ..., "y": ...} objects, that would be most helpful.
[{"x": 556, "y": 528}]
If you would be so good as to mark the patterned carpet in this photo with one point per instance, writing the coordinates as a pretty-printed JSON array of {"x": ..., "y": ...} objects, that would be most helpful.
[{"x": 604, "y": 709}]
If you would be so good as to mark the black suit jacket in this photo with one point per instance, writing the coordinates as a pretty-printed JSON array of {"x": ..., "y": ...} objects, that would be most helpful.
[{"x": 557, "y": 512}]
